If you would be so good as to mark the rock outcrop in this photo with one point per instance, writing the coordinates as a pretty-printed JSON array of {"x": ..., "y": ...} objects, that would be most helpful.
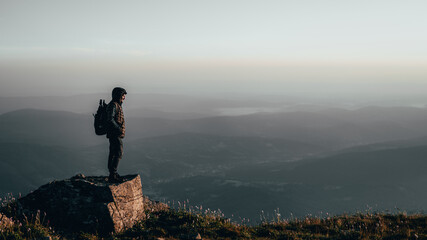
[{"x": 90, "y": 204}]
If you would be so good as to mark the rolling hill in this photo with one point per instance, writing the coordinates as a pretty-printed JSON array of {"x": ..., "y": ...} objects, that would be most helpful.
[
  {"x": 390, "y": 179},
  {"x": 249, "y": 158}
]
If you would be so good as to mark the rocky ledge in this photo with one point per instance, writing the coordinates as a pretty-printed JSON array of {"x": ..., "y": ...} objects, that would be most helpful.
[{"x": 90, "y": 204}]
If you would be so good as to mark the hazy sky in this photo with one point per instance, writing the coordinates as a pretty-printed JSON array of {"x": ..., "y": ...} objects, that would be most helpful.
[{"x": 71, "y": 47}]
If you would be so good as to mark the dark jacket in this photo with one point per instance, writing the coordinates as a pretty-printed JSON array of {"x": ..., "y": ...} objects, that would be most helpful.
[{"x": 115, "y": 119}]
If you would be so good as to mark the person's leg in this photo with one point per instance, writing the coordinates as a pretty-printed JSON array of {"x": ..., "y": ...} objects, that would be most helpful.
[
  {"x": 110, "y": 157},
  {"x": 116, "y": 152}
]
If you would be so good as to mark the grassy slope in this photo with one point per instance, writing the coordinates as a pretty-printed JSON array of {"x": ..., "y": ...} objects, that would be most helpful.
[
  {"x": 184, "y": 225},
  {"x": 190, "y": 222}
]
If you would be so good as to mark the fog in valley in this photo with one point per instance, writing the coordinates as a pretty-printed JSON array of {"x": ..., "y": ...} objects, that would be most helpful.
[{"x": 312, "y": 109}]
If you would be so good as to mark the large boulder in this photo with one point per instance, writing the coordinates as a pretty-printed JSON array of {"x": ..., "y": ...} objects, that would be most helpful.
[{"x": 89, "y": 204}]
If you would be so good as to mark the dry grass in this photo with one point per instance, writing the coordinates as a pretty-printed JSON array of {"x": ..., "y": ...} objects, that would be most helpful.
[{"x": 188, "y": 222}]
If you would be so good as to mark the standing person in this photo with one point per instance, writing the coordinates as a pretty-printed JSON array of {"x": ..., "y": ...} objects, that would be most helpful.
[{"x": 115, "y": 132}]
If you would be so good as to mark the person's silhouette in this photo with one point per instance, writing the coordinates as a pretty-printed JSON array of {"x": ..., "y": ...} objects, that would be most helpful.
[{"x": 115, "y": 132}]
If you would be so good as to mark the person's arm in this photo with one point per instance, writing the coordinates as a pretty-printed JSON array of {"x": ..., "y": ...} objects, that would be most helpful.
[{"x": 111, "y": 112}]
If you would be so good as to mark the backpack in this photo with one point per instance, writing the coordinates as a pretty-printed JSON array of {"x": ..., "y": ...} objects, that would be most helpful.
[{"x": 100, "y": 121}]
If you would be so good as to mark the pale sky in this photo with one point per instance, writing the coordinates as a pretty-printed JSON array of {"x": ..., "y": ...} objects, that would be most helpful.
[{"x": 73, "y": 47}]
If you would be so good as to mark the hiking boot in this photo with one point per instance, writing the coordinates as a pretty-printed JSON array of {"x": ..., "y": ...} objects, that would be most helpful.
[{"x": 114, "y": 178}]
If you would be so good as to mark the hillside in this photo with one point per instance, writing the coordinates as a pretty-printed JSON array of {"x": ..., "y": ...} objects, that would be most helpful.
[
  {"x": 54, "y": 128},
  {"x": 231, "y": 173},
  {"x": 30, "y": 165},
  {"x": 235, "y": 163},
  {"x": 90, "y": 207},
  {"x": 194, "y": 223},
  {"x": 384, "y": 180},
  {"x": 157, "y": 158}
]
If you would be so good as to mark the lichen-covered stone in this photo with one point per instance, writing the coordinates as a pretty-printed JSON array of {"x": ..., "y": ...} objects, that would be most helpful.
[{"x": 90, "y": 204}]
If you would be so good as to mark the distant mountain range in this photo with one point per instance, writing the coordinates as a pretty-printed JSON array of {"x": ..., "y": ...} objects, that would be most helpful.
[
  {"x": 149, "y": 104},
  {"x": 331, "y": 129},
  {"x": 48, "y": 128},
  {"x": 331, "y": 161}
]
